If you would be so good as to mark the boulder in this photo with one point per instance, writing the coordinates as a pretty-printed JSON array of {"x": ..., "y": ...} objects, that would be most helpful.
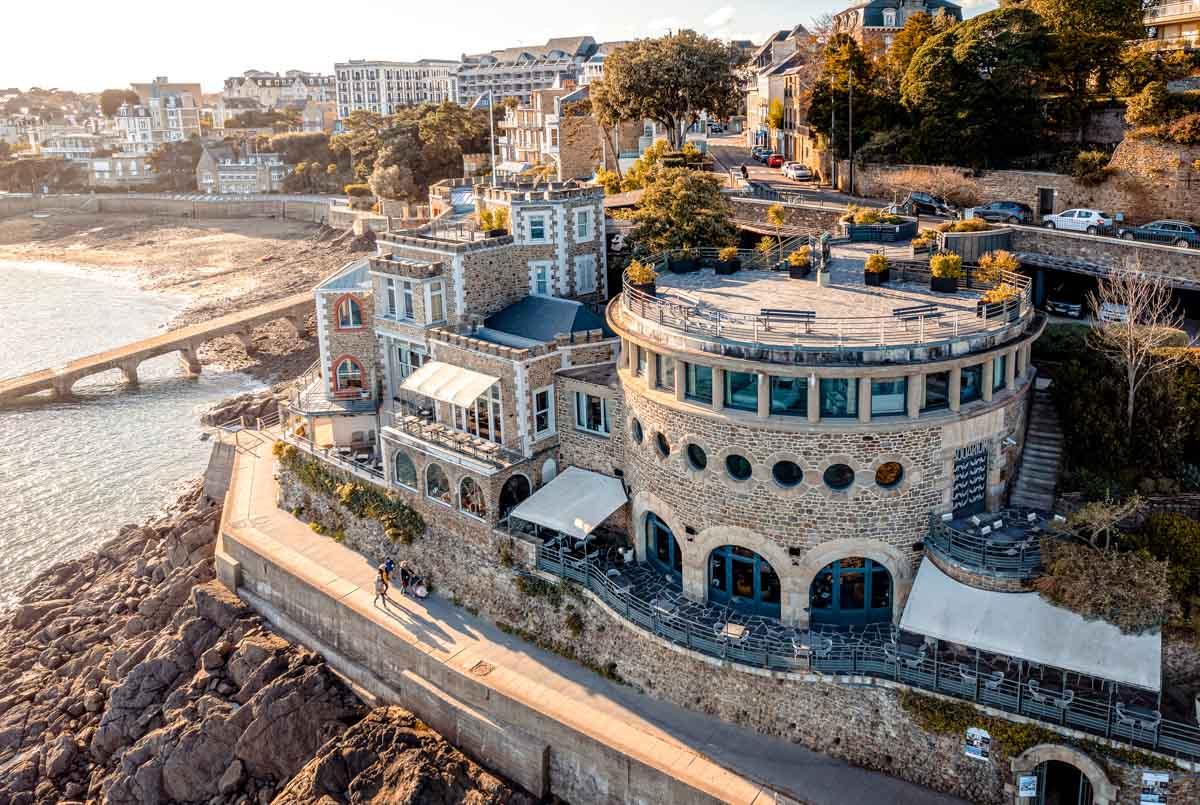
[
  {"x": 27, "y": 615},
  {"x": 60, "y": 755}
]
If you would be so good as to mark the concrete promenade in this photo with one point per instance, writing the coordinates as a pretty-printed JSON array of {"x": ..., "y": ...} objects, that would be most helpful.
[
  {"x": 186, "y": 341},
  {"x": 599, "y": 741}
]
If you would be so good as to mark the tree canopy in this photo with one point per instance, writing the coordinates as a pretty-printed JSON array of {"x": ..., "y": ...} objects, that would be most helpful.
[
  {"x": 845, "y": 69},
  {"x": 31, "y": 174},
  {"x": 670, "y": 80},
  {"x": 111, "y": 100},
  {"x": 175, "y": 163},
  {"x": 682, "y": 209}
]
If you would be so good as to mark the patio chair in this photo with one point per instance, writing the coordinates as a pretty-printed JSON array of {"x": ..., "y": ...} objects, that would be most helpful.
[{"x": 994, "y": 681}]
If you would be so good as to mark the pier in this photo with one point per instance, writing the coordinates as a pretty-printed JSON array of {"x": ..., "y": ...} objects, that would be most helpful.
[{"x": 186, "y": 341}]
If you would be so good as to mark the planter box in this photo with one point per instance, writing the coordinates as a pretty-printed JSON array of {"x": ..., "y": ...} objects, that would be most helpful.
[
  {"x": 880, "y": 233},
  {"x": 877, "y": 278},
  {"x": 495, "y": 233},
  {"x": 995, "y": 310},
  {"x": 682, "y": 266},
  {"x": 943, "y": 284},
  {"x": 728, "y": 267},
  {"x": 799, "y": 272},
  {"x": 648, "y": 288},
  {"x": 973, "y": 245}
]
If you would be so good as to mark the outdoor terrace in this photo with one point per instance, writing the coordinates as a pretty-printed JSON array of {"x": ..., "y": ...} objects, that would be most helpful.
[
  {"x": 1004, "y": 545},
  {"x": 723, "y": 313},
  {"x": 414, "y": 424}
]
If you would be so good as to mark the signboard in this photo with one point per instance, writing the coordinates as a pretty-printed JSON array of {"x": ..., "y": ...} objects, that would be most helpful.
[
  {"x": 1027, "y": 785},
  {"x": 1154, "y": 786},
  {"x": 970, "y": 479},
  {"x": 978, "y": 744}
]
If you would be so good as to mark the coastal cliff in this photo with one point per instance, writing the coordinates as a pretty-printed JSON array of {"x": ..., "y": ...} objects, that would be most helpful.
[{"x": 131, "y": 676}]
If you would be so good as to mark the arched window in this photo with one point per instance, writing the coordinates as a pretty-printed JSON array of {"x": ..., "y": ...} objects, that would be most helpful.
[
  {"x": 470, "y": 498},
  {"x": 662, "y": 547},
  {"x": 349, "y": 375},
  {"x": 549, "y": 470},
  {"x": 404, "y": 472},
  {"x": 743, "y": 580},
  {"x": 851, "y": 592},
  {"x": 437, "y": 485},
  {"x": 349, "y": 313},
  {"x": 515, "y": 490}
]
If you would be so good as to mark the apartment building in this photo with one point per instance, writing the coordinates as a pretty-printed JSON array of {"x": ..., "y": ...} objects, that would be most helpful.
[
  {"x": 780, "y": 75},
  {"x": 518, "y": 72},
  {"x": 225, "y": 169},
  {"x": 121, "y": 170},
  {"x": 67, "y": 142},
  {"x": 272, "y": 90},
  {"x": 1172, "y": 24},
  {"x": 879, "y": 21},
  {"x": 593, "y": 68},
  {"x": 166, "y": 113},
  {"x": 386, "y": 86}
]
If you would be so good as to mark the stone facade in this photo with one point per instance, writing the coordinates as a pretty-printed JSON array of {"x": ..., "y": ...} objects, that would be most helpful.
[
  {"x": 339, "y": 343},
  {"x": 1110, "y": 253},
  {"x": 825, "y": 220}
]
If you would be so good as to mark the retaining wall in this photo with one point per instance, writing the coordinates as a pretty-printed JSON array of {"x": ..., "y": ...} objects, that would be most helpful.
[
  {"x": 1110, "y": 253},
  {"x": 295, "y": 210}
]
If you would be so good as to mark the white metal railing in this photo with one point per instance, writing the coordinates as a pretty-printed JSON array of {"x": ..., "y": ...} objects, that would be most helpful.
[
  {"x": 820, "y": 332},
  {"x": 1156, "y": 13}
]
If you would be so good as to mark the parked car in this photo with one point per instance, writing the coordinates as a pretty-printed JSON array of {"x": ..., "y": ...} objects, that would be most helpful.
[
  {"x": 1094, "y": 222},
  {"x": 760, "y": 153},
  {"x": 1173, "y": 233},
  {"x": 918, "y": 203},
  {"x": 797, "y": 171},
  {"x": 1009, "y": 212},
  {"x": 1068, "y": 296},
  {"x": 1111, "y": 311},
  {"x": 715, "y": 128},
  {"x": 775, "y": 161}
]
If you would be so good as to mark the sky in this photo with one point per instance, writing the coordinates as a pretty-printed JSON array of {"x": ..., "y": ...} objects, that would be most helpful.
[{"x": 88, "y": 46}]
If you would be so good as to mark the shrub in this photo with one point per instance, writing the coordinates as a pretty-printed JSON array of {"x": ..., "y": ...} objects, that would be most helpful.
[
  {"x": 876, "y": 264},
  {"x": 924, "y": 239},
  {"x": 970, "y": 225},
  {"x": 801, "y": 258},
  {"x": 494, "y": 218},
  {"x": 357, "y": 189},
  {"x": 1091, "y": 168},
  {"x": 946, "y": 266},
  {"x": 1185, "y": 130},
  {"x": 1000, "y": 294},
  {"x": 728, "y": 254},
  {"x": 1149, "y": 107},
  {"x": 867, "y": 216},
  {"x": 641, "y": 273},
  {"x": 765, "y": 246},
  {"x": 992, "y": 264},
  {"x": 1129, "y": 590},
  {"x": 1175, "y": 539}
]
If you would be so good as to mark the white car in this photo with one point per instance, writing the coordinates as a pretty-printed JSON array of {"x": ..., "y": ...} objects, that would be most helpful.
[
  {"x": 1111, "y": 311},
  {"x": 1094, "y": 222},
  {"x": 797, "y": 171}
]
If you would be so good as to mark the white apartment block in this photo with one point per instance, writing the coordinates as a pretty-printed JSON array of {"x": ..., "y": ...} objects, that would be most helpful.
[
  {"x": 272, "y": 90},
  {"x": 518, "y": 72},
  {"x": 386, "y": 86}
]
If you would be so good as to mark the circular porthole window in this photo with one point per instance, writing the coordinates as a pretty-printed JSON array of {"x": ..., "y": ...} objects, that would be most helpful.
[
  {"x": 697, "y": 457},
  {"x": 637, "y": 432},
  {"x": 839, "y": 477},
  {"x": 739, "y": 467},
  {"x": 889, "y": 475},
  {"x": 787, "y": 474},
  {"x": 664, "y": 447}
]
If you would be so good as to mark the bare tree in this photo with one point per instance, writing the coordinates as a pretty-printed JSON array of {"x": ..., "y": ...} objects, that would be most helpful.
[{"x": 1135, "y": 317}]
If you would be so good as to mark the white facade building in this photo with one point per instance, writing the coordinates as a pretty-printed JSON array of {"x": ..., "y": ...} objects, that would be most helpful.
[
  {"x": 386, "y": 86},
  {"x": 272, "y": 90}
]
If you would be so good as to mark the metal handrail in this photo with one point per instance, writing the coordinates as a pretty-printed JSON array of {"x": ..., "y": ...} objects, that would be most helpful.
[
  {"x": 860, "y": 655},
  {"x": 1168, "y": 9},
  {"x": 424, "y": 428},
  {"x": 1006, "y": 559},
  {"x": 861, "y": 332},
  {"x": 328, "y": 454}
]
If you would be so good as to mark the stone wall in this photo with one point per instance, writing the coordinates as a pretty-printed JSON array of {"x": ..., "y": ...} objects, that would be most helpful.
[
  {"x": 1111, "y": 253},
  {"x": 793, "y": 214},
  {"x": 357, "y": 342},
  {"x": 284, "y": 207}
]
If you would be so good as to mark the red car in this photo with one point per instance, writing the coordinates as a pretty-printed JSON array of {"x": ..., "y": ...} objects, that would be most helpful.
[{"x": 775, "y": 161}]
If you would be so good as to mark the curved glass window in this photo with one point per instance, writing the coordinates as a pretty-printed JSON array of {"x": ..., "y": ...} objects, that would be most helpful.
[
  {"x": 638, "y": 435},
  {"x": 839, "y": 397},
  {"x": 697, "y": 457},
  {"x": 741, "y": 391},
  {"x": 743, "y": 580},
  {"x": 403, "y": 470},
  {"x": 739, "y": 467},
  {"x": 349, "y": 313},
  {"x": 470, "y": 498},
  {"x": 662, "y": 547},
  {"x": 437, "y": 485},
  {"x": 787, "y": 474},
  {"x": 664, "y": 447},
  {"x": 972, "y": 383},
  {"x": 839, "y": 476},
  {"x": 851, "y": 592},
  {"x": 789, "y": 396},
  {"x": 937, "y": 391},
  {"x": 890, "y": 474},
  {"x": 889, "y": 397}
]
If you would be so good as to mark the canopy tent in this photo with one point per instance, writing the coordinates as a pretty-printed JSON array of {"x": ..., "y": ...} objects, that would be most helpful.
[
  {"x": 448, "y": 383},
  {"x": 1026, "y": 626},
  {"x": 512, "y": 167},
  {"x": 573, "y": 503}
]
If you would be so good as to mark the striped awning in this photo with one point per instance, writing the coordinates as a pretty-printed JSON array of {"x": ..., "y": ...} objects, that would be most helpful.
[{"x": 448, "y": 383}]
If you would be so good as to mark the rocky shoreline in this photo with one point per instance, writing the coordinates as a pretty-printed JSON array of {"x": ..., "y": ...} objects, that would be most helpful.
[{"x": 131, "y": 676}]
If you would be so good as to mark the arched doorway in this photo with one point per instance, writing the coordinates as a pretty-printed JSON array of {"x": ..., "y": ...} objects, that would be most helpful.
[
  {"x": 662, "y": 548},
  {"x": 1060, "y": 783},
  {"x": 851, "y": 592},
  {"x": 743, "y": 580},
  {"x": 515, "y": 490}
]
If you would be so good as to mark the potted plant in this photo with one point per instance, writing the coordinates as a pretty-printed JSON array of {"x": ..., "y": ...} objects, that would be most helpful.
[
  {"x": 999, "y": 301},
  {"x": 682, "y": 261},
  {"x": 924, "y": 241},
  {"x": 494, "y": 222},
  {"x": 800, "y": 263},
  {"x": 641, "y": 277},
  {"x": 945, "y": 271},
  {"x": 875, "y": 270},
  {"x": 728, "y": 261},
  {"x": 992, "y": 266}
]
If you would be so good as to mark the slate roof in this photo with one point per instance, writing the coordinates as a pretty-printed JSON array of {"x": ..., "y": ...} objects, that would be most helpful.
[
  {"x": 873, "y": 10},
  {"x": 541, "y": 318}
]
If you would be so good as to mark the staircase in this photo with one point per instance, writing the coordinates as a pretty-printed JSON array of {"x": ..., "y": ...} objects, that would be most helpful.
[{"x": 1037, "y": 477}]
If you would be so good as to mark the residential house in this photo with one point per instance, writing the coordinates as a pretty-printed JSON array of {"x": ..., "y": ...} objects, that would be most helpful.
[
  {"x": 166, "y": 113},
  {"x": 518, "y": 72},
  {"x": 384, "y": 87},
  {"x": 878, "y": 21},
  {"x": 226, "y": 169},
  {"x": 121, "y": 170},
  {"x": 781, "y": 72},
  {"x": 161, "y": 86},
  {"x": 318, "y": 116},
  {"x": 593, "y": 68},
  {"x": 272, "y": 90},
  {"x": 1174, "y": 24}
]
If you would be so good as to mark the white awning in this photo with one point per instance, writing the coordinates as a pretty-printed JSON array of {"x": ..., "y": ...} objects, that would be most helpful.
[
  {"x": 1027, "y": 626},
  {"x": 512, "y": 167},
  {"x": 448, "y": 383},
  {"x": 574, "y": 503}
]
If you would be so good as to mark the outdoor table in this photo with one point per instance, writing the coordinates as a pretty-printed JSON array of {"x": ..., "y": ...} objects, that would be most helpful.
[{"x": 733, "y": 631}]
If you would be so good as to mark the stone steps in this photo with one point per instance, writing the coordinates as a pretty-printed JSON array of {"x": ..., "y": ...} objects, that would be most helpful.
[{"x": 1037, "y": 476}]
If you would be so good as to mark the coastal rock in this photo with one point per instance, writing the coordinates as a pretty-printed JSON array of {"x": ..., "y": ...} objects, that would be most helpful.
[{"x": 26, "y": 615}]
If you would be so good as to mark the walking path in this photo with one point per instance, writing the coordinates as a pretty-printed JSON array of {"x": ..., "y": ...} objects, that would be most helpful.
[{"x": 703, "y": 752}]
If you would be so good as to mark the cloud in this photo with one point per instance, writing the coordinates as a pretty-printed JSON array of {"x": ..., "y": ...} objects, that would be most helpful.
[{"x": 721, "y": 17}]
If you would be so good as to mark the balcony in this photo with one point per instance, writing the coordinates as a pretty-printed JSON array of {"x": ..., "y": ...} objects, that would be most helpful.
[
  {"x": 1167, "y": 13},
  {"x": 1005, "y": 545},
  {"x": 414, "y": 425}
]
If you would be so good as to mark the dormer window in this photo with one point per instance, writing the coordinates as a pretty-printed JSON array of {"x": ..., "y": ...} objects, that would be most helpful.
[{"x": 889, "y": 18}]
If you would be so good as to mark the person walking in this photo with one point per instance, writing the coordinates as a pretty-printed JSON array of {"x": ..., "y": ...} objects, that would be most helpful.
[{"x": 381, "y": 588}]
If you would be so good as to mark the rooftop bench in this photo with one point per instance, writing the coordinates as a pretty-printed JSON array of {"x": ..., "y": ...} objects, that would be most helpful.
[
  {"x": 778, "y": 314},
  {"x": 917, "y": 312}
]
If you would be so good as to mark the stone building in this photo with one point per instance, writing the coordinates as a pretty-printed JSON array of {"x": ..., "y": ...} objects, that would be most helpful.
[
  {"x": 227, "y": 168},
  {"x": 878, "y": 21},
  {"x": 384, "y": 87},
  {"x": 272, "y": 90}
]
